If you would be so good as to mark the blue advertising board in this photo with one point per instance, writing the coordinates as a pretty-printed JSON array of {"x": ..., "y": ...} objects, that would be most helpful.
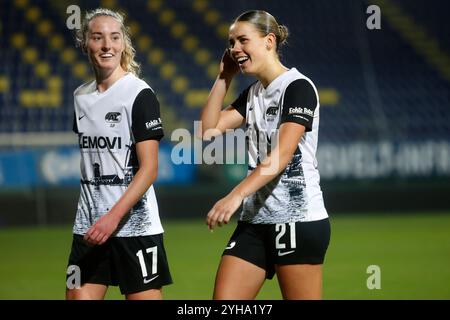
[{"x": 60, "y": 166}]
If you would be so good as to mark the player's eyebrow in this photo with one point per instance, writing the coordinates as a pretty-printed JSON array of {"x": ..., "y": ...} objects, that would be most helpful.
[
  {"x": 238, "y": 37},
  {"x": 231, "y": 40},
  {"x": 101, "y": 33}
]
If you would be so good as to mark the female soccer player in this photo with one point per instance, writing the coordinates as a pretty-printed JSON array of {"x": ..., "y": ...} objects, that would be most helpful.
[
  {"x": 283, "y": 227},
  {"x": 117, "y": 235}
]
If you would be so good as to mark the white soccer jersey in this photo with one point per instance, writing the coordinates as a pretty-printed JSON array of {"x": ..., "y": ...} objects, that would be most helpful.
[
  {"x": 109, "y": 124},
  {"x": 294, "y": 195}
]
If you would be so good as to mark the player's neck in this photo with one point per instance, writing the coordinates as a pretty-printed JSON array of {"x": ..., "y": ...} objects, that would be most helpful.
[
  {"x": 272, "y": 71},
  {"x": 105, "y": 78}
]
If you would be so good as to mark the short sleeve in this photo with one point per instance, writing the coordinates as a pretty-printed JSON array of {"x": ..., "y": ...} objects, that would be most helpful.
[
  {"x": 74, "y": 126},
  {"x": 240, "y": 104},
  {"x": 299, "y": 103},
  {"x": 146, "y": 119}
]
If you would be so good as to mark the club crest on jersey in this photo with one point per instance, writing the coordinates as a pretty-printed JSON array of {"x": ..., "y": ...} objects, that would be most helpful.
[
  {"x": 271, "y": 111},
  {"x": 113, "y": 117}
]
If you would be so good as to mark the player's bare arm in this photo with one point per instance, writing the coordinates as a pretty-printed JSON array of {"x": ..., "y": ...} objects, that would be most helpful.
[
  {"x": 214, "y": 120},
  {"x": 147, "y": 152},
  {"x": 289, "y": 137}
]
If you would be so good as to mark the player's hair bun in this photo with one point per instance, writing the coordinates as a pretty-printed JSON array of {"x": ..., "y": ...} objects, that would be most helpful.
[{"x": 283, "y": 34}]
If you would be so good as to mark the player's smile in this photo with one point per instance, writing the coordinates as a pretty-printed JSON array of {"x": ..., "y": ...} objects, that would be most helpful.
[
  {"x": 106, "y": 55},
  {"x": 247, "y": 47},
  {"x": 242, "y": 60},
  {"x": 105, "y": 45}
]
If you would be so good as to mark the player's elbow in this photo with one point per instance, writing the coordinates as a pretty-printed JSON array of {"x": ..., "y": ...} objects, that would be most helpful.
[
  {"x": 208, "y": 134},
  {"x": 153, "y": 175},
  {"x": 149, "y": 174},
  {"x": 278, "y": 160}
]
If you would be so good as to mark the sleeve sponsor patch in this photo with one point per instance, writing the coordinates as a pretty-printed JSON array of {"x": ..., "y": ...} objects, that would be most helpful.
[
  {"x": 153, "y": 124},
  {"x": 300, "y": 110}
]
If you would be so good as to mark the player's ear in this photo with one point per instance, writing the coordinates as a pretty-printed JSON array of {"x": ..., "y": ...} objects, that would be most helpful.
[{"x": 270, "y": 41}]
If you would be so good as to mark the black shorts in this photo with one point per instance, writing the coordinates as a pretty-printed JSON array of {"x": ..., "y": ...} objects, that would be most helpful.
[
  {"x": 267, "y": 245},
  {"x": 135, "y": 264}
]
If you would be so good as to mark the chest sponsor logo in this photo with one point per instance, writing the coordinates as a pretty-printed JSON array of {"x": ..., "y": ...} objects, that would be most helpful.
[
  {"x": 300, "y": 110},
  {"x": 153, "y": 123},
  {"x": 99, "y": 142},
  {"x": 113, "y": 117}
]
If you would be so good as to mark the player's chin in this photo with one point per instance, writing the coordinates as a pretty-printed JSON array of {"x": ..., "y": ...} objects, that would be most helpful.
[
  {"x": 247, "y": 71},
  {"x": 107, "y": 64}
]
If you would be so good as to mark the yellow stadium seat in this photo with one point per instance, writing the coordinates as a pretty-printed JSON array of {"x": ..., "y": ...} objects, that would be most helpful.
[
  {"x": 178, "y": 30},
  {"x": 30, "y": 55},
  {"x": 212, "y": 17},
  {"x": 56, "y": 42},
  {"x": 33, "y": 14},
  {"x": 180, "y": 84},
  {"x": 55, "y": 99},
  {"x": 166, "y": 17},
  {"x": 213, "y": 70},
  {"x": 196, "y": 98},
  {"x": 108, "y": 3},
  {"x": 4, "y": 84},
  {"x": 202, "y": 56},
  {"x": 40, "y": 97},
  {"x": 200, "y": 5},
  {"x": 328, "y": 96},
  {"x": 144, "y": 42},
  {"x": 80, "y": 69},
  {"x": 42, "y": 69},
  {"x": 54, "y": 83},
  {"x": 68, "y": 55},
  {"x": 223, "y": 30},
  {"x": 18, "y": 40},
  {"x": 154, "y": 5},
  {"x": 155, "y": 56},
  {"x": 44, "y": 27},
  {"x": 27, "y": 98},
  {"x": 21, "y": 3},
  {"x": 134, "y": 28},
  {"x": 190, "y": 43},
  {"x": 168, "y": 70}
]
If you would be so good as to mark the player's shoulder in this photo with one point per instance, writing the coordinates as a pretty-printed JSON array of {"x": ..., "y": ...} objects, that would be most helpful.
[
  {"x": 139, "y": 86},
  {"x": 297, "y": 78},
  {"x": 85, "y": 88},
  {"x": 137, "y": 82}
]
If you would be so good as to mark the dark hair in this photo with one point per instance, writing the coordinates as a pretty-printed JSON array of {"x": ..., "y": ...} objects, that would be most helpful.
[{"x": 265, "y": 23}]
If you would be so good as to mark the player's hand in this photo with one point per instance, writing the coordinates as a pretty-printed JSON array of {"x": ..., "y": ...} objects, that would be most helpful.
[
  {"x": 223, "y": 210},
  {"x": 228, "y": 66},
  {"x": 102, "y": 229}
]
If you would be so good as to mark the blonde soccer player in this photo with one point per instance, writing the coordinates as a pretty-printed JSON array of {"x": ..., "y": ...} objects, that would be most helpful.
[{"x": 117, "y": 234}]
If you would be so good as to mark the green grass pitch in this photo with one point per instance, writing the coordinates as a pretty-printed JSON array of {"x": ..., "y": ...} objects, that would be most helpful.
[{"x": 412, "y": 251}]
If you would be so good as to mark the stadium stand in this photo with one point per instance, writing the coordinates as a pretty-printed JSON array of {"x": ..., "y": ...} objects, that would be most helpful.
[
  {"x": 380, "y": 90},
  {"x": 179, "y": 44}
]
